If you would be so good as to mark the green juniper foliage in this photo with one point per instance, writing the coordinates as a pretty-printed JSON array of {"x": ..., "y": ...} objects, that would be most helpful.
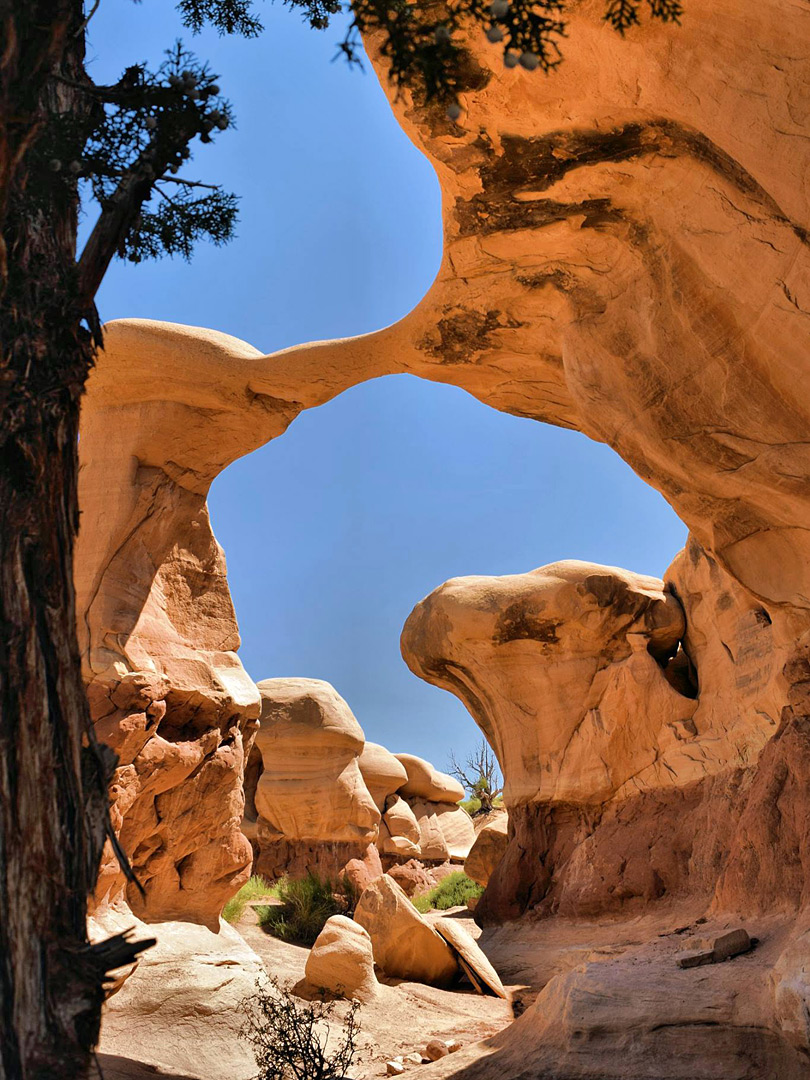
[{"x": 130, "y": 144}]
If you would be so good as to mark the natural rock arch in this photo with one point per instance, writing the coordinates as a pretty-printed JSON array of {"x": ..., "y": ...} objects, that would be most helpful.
[{"x": 626, "y": 253}]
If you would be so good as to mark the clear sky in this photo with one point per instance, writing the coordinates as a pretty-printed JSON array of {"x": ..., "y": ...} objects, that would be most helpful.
[{"x": 334, "y": 531}]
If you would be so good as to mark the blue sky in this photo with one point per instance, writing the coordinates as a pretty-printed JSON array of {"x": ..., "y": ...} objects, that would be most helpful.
[{"x": 334, "y": 531}]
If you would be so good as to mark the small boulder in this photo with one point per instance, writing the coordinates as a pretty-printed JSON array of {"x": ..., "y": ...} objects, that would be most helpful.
[
  {"x": 405, "y": 945},
  {"x": 413, "y": 1059},
  {"x": 412, "y": 877},
  {"x": 436, "y": 1049},
  {"x": 341, "y": 961},
  {"x": 399, "y": 846},
  {"x": 394, "y": 1068}
]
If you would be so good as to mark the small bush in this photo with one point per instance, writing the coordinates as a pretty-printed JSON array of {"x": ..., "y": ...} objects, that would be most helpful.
[
  {"x": 473, "y": 805},
  {"x": 305, "y": 906},
  {"x": 253, "y": 889},
  {"x": 289, "y": 1037},
  {"x": 454, "y": 891}
]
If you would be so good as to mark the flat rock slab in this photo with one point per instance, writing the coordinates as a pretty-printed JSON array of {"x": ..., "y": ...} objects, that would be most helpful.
[
  {"x": 473, "y": 960},
  {"x": 721, "y": 948}
]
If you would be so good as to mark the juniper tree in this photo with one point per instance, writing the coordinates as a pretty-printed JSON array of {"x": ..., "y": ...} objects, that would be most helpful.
[{"x": 124, "y": 150}]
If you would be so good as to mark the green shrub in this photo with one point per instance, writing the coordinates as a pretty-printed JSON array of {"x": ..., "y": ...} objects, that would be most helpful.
[
  {"x": 454, "y": 891},
  {"x": 305, "y": 906},
  {"x": 473, "y": 805},
  {"x": 253, "y": 889}
]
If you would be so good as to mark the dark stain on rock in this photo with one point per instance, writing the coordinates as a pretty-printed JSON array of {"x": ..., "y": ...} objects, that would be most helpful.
[
  {"x": 610, "y": 592},
  {"x": 465, "y": 334},
  {"x": 519, "y": 622},
  {"x": 528, "y": 165}
]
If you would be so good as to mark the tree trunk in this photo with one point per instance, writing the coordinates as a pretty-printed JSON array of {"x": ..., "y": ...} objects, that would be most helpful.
[
  {"x": 53, "y": 777},
  {"x": 53, "y": 797}
]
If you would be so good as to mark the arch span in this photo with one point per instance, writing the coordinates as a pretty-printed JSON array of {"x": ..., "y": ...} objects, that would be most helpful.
[{"x": 626, "y": 253}]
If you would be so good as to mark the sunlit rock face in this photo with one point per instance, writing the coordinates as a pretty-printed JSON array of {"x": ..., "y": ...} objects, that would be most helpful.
[
  {"x": 555, "y": 665},
  {"x": 157, "y": 627},
  {"x": 314, "y": 811},
  {"x": 324, "y": 801},
  {"x": 626, "y": 255},
  {"x": 311, "y": 787},
  {"x": 614, "y": 703}
]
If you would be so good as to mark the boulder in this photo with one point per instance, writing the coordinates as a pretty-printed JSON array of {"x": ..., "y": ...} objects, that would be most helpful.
[
  {"x": 398, "y": 846},
  {"x": 436, "y": 1049},
  {"x": 400, "y": 819},
  {"x": 311, "y": 787},
  {"x": 341, "y": 961},
  {"x": 405, "y": 945},
  {"x": 472, "y": 959},
  {"x": 412, "y": 877},
  {"x": 432, "y": 844},
  {"x": 361, "y": 871},
  {"x": 425, "y": 782},
  {"x": 488, "y": 849},
  {"x": 446, "y": 831},
  {"x": 382, "y": 772}
]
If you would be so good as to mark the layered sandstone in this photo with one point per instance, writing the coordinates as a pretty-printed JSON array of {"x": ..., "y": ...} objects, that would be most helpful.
[
  {"x": 488, "y": 850},
  {"x": 320, "y": 799},
  {"x": 625, "y": 254},
  {"x": 311, "y": 787},
  {"x": 405, "y": 945}
]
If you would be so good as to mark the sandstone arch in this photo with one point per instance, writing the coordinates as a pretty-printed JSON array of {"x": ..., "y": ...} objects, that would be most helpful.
[{"x": 626, "y": 253}]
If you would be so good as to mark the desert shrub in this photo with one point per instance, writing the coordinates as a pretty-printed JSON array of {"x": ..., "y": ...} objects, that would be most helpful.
[
  {"x": 473, "y": 805},
  {"x": 253, "y": 889},
  {"x": 305, "y": 906},
  {"x": 289, "y": 1037},
  {"x": 454, "y": 891}
]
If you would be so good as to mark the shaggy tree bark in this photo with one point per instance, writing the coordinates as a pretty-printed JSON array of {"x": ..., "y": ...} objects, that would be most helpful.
[{"x": 53, "y": 775}]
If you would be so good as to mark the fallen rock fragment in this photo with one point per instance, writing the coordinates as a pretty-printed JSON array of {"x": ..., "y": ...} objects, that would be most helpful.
[
  {"x": 731, "y": 944},
  {"x": 414, "y": 1058},
  {"x": 412, "y": 877},
  {"x": 394, "y": 1068},
  {"x": 471, "y": 958},
  {"x": 436, "y": 1049},
  {"x": 721, "y": 948},
  {"x": 341, "y": 960}
]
